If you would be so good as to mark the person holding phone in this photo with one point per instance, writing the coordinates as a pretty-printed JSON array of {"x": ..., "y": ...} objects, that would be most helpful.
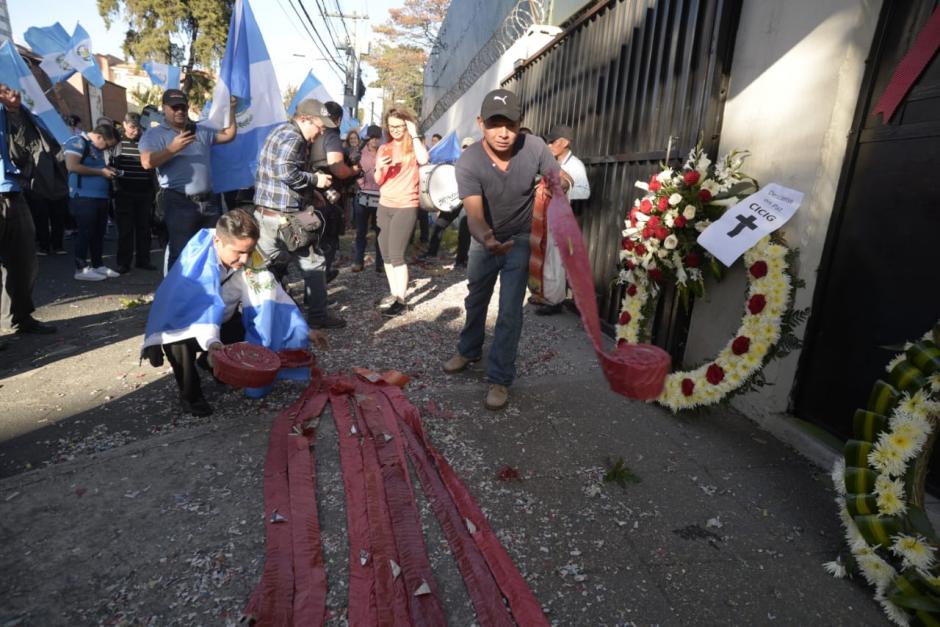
[
  {"x": 179, "y": 150},
  {"x": 396, "y": 172}
]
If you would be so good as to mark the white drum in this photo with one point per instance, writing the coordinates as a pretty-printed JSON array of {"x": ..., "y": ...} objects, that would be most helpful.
[{"x": 439, "y": 188}]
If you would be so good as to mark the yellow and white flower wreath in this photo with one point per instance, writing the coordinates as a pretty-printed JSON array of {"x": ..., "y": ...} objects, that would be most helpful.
[{"x": 769, "y": 293}]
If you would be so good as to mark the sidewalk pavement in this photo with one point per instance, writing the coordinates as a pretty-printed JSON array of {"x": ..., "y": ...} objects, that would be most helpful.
[{"x": 156, "y": 518}]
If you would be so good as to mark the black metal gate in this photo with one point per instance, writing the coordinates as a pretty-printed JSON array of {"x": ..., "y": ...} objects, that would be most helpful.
[
  {"x": 632, "y": 78},
  {"x": 877, "y": 285}
]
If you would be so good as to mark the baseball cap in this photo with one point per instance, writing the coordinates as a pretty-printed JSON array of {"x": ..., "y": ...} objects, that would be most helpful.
[
  {"x": 314, "y": 108},
  {"x": 174, "y": 97},
  {"x": 560, "y": 131},
  {"x": 501, "y": 102}
]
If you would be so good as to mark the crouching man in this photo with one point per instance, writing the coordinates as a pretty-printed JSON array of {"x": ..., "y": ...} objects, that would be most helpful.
[{"x": 219, "y": 293}]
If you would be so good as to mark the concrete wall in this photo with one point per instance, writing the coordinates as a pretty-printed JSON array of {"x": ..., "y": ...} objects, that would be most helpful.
[
  {"x": 465, "y": 30},
  {"x": 462, "y": 115},
  {"x": 795, "y": 83}
]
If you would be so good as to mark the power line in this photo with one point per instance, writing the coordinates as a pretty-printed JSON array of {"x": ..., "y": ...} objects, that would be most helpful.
[
  {"x": 342, "y": 20},
  {"x": 324, "y": 48},
  {"x": 307, "y": 32},
  {"x": 329, "y": 29}
]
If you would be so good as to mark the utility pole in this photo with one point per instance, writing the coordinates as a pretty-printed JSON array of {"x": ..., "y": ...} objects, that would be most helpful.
[{"x": 353, "y": 69}]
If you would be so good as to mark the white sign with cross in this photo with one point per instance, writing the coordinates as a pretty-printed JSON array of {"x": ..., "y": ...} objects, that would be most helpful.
[{"x": 744, "y": 224}]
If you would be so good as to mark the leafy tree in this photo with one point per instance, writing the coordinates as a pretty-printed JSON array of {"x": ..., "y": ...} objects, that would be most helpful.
[
  {"x": 143, "y": 96},
  {"x": 200, "y": 25},
  {"x": 400, "y": 58}
]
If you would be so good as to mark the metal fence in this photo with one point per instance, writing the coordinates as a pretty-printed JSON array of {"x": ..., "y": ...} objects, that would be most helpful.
[{"x": 632, "y": 78}]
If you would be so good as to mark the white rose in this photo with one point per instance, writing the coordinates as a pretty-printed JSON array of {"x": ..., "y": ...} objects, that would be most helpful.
[
  {"x": 701, "y": 225},
  {"x": 689, "y": 212},
  {"x": 669, "y": 220},
  {"x": 662, "y": 252},
  {"x": 664, "y": 176},
  {"x": 675, "y": 199},
  {"x": 671, "y": 242}
]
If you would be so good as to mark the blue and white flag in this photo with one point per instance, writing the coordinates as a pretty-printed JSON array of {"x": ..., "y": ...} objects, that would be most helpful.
[
  {"x": 310, "y": 88},
  {"x": 446, "y": 151},
  {"x": 62, "y": 55},
  {"x": 188, "y": 304},
  {"x": 247, "y": 74},
  {"x": 163, "y": 75},
  {"x": 15, "y": 73},
  {"x": 346, "y": 125}
]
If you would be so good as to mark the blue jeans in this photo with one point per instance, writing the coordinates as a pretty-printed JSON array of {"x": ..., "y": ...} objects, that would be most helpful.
[
  {"x": 363, "y": 217},
  {"x": 483, "y": 269},
  {"x": 184, "y": 218},
  {"x": 91, "y": 219}
]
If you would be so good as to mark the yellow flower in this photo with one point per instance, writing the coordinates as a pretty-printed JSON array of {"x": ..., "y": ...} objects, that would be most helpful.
[
  {"x": 890, "y": 498},
  {"x": 914, "y": 550},
  {"x": 875, "y": 570}
]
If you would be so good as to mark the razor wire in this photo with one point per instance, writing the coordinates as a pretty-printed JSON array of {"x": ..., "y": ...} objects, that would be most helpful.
[{"x": 520, "y": 18}]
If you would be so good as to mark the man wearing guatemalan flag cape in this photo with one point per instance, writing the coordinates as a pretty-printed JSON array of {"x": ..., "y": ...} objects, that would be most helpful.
[
  {"x": 248, "y": 76},
  {"x": 218, "y": 293}
]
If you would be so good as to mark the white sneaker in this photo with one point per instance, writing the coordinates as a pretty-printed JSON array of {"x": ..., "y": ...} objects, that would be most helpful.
[
  {"x": 88, "y": 274},
  {"x": 106, "y": 272}
]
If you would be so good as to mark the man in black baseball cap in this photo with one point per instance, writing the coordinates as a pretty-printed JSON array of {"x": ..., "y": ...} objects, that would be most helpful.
[
  {"x": 496, "y": 181},
  {"x": 174, "y": 97}
]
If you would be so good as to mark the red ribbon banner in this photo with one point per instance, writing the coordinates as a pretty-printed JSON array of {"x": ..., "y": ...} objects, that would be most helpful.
[{"x": 910, "y": 68}]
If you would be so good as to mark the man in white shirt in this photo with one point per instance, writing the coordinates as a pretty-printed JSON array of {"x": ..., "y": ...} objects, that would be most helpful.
[{"x": 574, "y": 181}]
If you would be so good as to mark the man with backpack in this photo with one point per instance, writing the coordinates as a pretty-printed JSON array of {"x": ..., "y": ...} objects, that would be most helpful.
[{"x": 89, "y": 195}]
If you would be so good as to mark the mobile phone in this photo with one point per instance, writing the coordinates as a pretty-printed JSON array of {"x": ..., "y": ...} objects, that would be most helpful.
[{"x": 190, "y": 127}]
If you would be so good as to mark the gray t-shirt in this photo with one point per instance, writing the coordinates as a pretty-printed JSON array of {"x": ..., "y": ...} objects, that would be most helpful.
[
  {"x": 189, "y": 171},
  {"x": 507, "y": 196}
]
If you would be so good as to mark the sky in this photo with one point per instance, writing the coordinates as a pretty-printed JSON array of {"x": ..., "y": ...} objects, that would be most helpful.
[{"x": 291, "y": 50}]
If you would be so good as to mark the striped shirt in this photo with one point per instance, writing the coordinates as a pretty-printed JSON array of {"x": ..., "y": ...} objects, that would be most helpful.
[{"x": 127, "y": 158}]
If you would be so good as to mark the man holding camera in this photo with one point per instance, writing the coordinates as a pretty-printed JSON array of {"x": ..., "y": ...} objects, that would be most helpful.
[
  {"x": 179, "y": 150},
  {"x": 289, "y": 227},
  {"x": 327, "y": 154}
]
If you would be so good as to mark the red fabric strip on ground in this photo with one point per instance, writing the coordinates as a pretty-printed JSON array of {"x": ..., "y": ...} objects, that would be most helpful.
[
  {"x": 526, "y": 609},
  {"x": 425, "y": 609},
  {"x": 271, "y": 602},
  {"x": 362, "y": 602},
  {"x": 482, "y": 588}
]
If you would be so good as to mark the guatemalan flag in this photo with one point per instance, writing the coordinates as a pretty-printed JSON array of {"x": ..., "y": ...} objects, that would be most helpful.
[
  {"x": 446, "y": 151},
  {"x": 188, "y": 304},
  {"x": 247, "y": 74},
  {"x": 15, "y": 73},
  {"x": 62, "y": 55},
  {"x": 310, "y": 88},
  {"x": 163, "y": 75}
]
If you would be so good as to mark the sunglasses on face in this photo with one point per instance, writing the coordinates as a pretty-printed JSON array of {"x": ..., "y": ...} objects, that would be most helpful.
[{"x": 178, "y": 107}]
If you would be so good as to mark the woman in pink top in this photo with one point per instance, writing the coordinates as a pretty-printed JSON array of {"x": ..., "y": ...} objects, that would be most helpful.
[{"x": 396, "y": 172}]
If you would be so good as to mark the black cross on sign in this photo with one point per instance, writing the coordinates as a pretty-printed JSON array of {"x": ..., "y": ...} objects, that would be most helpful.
[{"x": 748, "y": 221}]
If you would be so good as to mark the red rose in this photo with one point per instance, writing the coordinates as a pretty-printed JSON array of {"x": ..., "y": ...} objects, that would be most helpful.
[
  {"x": 714, "y": 374},
  {"x": 756, "y": 304},
  {"x": 640, "y": 250},
  {"x": 663, "y": 203},
  {"x": 693, "y": 259},
  {"x": 704, "y": 195},
  {"x": 740, "y": 345},
  {"x": 654, "y": 184},
  {"x": 691, "y": 177},
  {"x": 624, "y": 317},
  {"x": 653, "y": 222},
  {"x": 626, "y": 243},
  {"x": 631, "y": 290},
  {"x": 656, "y": 274},
  {"x": 688, "y": 385},
  {"x": 661, "y": 232},
  {"x": 759, "y": 269},
  {"x": 679, "y": 222},
  {"x": 646, "y": 232},
  {"x": 621, "y": 341},
  {"x": 632, "y": 216},
  {"x": 630, "y": 265},
  {"x": 646, "y": 206}
]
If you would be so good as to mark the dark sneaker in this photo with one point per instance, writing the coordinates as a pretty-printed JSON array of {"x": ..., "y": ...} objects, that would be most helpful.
[
  {"x": 36, "y": 327},
  {"x": 331, "y": 274},
  {"x": 198, "y": 407},
  {"x": 458, "y": 363},
  {"x": 356, "y": 267},
  {"x": 329, "y": 321},
  {"x": 123, "y": 269},
  {"x": 496, "y": 397},
  {"x": 147, "y": 266},
  {"x": 395, "y": 309},
  {"x": 548, "y": 310},
  {"x": 42, "y": 252}
]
